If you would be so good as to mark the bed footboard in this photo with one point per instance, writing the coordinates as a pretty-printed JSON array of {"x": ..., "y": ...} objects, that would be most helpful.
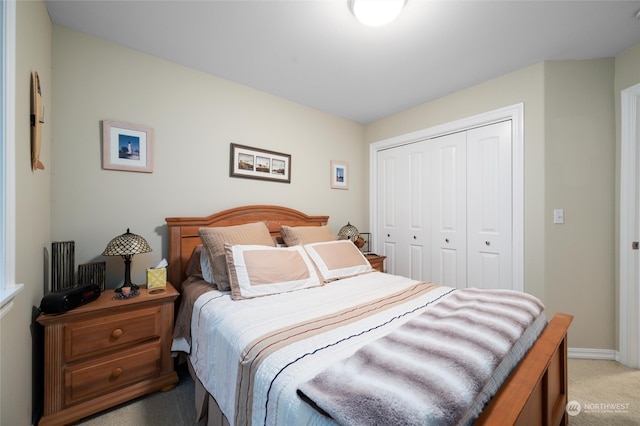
[{"x": 536, "y": 391}]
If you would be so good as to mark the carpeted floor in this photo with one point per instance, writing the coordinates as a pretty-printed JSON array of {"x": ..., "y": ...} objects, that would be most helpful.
[
  {"x": 173, "y": 408},
  {"x": 605, "y": 393}
]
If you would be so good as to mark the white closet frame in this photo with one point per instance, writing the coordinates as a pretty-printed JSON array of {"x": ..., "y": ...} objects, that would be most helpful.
[
  {"x": 515, "y": 113},
  {"x": 629, "y": 294}
]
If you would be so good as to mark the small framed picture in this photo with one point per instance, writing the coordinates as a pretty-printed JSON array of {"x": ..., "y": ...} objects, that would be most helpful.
[
  {"x": 363, "y": 242},
  {"x": 255, "y": 163},
  {"x": 339, "y": 175},
  {"x": 127, "y": 147}
]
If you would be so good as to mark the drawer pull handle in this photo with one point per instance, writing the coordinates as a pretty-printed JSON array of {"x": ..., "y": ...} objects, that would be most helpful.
[
  {"x": 116, "y": 333},
  {"x": 117, "y": 372}
]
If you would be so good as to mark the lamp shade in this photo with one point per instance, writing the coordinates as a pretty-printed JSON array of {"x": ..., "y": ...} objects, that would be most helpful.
[
  {"x": 348, "y": 232},
  {"x": 126, "y": 244}
]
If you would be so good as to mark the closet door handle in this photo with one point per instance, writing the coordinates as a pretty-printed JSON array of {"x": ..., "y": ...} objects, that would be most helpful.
[
  {"x": 446, "y": 240},
  {"x": 487, "y": 243},
  {"x": 415, "y": 238}
]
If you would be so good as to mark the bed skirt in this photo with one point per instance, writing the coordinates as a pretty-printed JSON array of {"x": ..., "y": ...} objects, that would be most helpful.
[{"x": 208, "y": 412}]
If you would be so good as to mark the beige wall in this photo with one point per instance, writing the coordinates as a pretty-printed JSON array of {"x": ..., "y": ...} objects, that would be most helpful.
[
  {"x": 580, "y": 173},
  {"x": 524, "y": 86},
  {"x": 33, "y": 53},
  {"x": 195, "y": 117},
  {"x": 627, "y": 69},
  {"x": 568, "y": 129}
]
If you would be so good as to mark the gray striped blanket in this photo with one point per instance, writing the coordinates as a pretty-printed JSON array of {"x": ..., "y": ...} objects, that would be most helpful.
[{"x": 430, "y": 370}]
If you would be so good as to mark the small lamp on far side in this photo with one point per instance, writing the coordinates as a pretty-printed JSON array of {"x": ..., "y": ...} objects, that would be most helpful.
[{"x": 348, "y": 232}]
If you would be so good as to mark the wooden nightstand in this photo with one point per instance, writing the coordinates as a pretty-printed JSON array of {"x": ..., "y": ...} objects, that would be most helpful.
[
  {"x": 376, "y": 261},
  {"x": 105, "y": 353}
]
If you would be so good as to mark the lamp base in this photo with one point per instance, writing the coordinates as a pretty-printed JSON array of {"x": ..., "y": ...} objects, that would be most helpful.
[
  {"x": 132, "y": 287},
  {"x": 127, "y": 276},
  {"x": 121, "y": 296}
]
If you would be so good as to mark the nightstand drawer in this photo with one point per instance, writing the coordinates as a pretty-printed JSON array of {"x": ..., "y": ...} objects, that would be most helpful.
[
  {"x": 98, "y": 377},
  {"x": 100, "y": 335}
]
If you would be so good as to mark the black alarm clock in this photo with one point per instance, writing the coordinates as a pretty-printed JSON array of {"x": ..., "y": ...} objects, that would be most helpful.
[{"x": 65, "y": 300}]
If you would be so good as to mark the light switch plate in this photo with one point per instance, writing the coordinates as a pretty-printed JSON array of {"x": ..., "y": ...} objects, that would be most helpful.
[{"x": 558, "y": 215}]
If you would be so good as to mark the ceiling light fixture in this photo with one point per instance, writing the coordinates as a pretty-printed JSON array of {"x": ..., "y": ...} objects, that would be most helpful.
[{"x": 376, "y": 13}]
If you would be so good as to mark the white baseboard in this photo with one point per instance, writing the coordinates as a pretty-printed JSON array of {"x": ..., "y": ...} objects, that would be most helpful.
[{"x": 604, "y": 354}]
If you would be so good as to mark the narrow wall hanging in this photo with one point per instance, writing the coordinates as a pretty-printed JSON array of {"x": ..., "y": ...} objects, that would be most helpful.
[{"x": 37, "y": 119}]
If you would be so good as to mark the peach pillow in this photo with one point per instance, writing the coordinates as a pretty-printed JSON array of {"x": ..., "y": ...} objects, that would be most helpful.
[
  {"x": 338, "y": 259},
  {"x": 300, "y": 235},
  {"x": 256, "y": 271}
]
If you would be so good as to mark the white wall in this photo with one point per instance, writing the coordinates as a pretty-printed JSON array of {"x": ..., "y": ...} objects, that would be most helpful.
[{"x": 195, "y": 117}]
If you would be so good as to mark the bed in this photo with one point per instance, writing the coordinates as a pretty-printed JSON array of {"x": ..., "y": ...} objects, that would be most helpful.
[{"x": 533, "y": 391}]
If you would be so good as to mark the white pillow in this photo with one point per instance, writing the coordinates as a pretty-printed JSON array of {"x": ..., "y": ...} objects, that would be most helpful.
[{"x": 205, "y": 268}]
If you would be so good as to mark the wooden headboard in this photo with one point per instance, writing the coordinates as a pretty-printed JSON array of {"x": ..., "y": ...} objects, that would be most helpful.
[{"x": 183, "y": 231}]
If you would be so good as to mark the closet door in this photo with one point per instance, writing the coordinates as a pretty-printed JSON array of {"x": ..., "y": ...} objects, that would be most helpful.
[
  {"x": 389, "y": 229},
  {"x": 449, "y": 220},
  {"x": 489, "y": 201},
  {"x": 417, "y": 216},
  {"x": 403, "y": 211}
]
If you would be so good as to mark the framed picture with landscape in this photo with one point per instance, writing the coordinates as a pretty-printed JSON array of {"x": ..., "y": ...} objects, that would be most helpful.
[
  {"x": 256, "y": 163},
  {"x": 127, "y": 147}
]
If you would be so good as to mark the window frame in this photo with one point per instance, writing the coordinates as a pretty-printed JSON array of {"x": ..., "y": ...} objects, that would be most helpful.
[{"x": 8, "y": 286}]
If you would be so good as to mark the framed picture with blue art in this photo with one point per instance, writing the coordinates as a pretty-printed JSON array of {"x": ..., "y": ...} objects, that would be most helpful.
[
  {"x": 127, "y": 147},
  {"x": 339, "y": 175}
]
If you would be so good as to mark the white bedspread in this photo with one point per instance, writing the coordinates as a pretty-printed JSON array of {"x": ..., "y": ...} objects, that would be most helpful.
[{"x": 222, "y": 328}]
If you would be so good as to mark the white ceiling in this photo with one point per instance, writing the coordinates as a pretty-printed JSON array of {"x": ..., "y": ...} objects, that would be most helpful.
[{"x": 314, "y": 51}]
